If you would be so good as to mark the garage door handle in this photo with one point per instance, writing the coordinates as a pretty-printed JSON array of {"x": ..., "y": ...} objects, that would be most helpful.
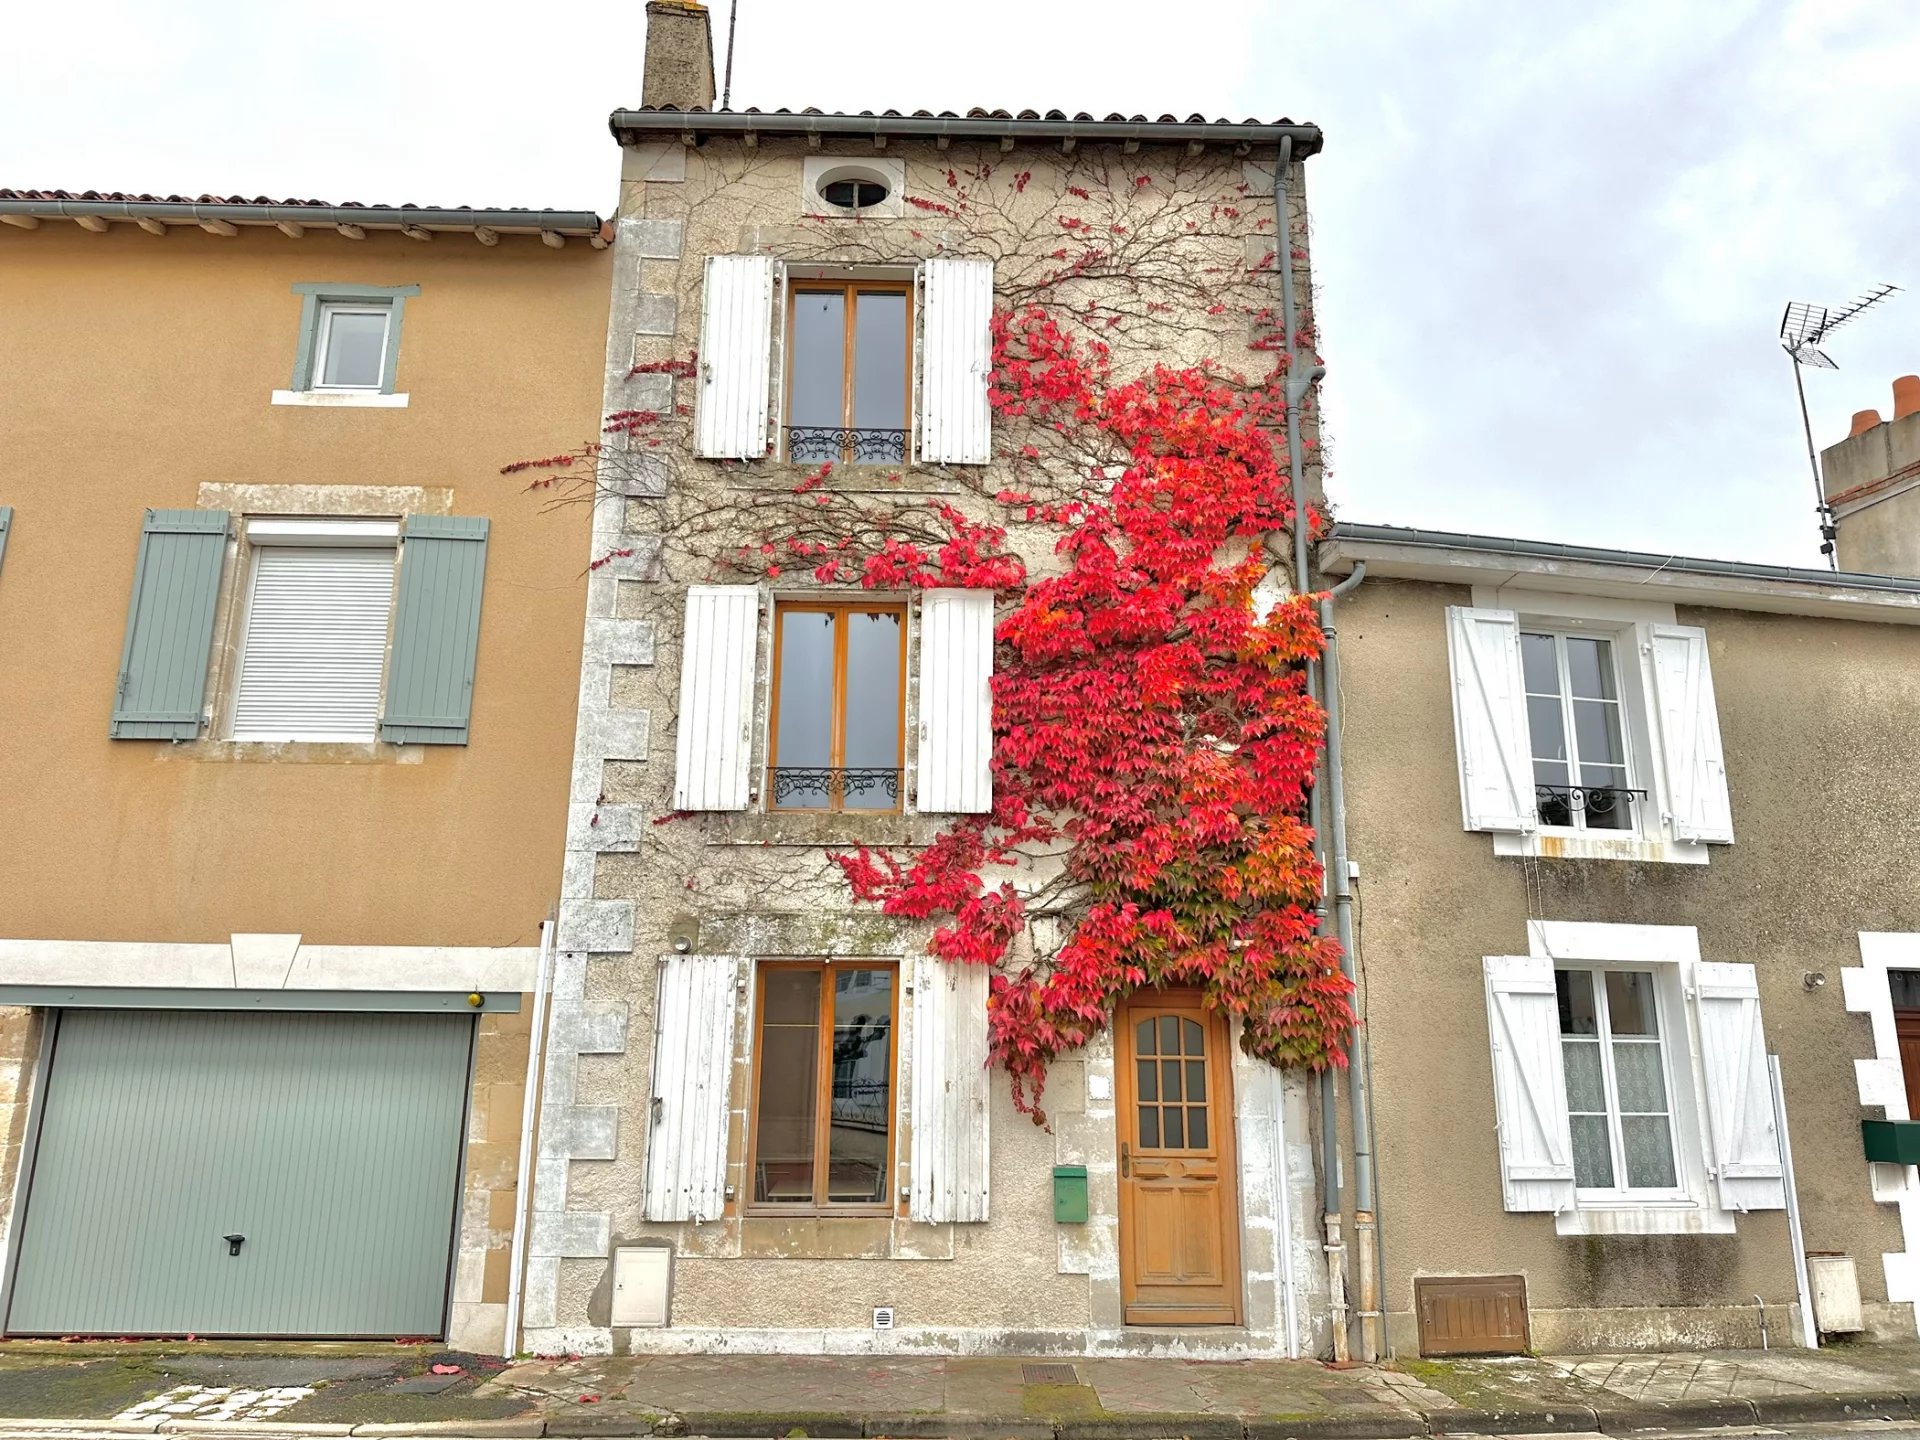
[{"x": 234, "y": 1242}]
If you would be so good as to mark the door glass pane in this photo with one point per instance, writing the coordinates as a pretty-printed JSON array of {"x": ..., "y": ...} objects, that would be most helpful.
[
  {"x": 817, "y": 353},
  {"x": 1586, "y": 1090},
  {"x": 862, "y": 1100},
  {"x": 1630, "y": 1003},
  {"x": 1196, "y": 1127},
  {"x": 1649, "y": 1147},
  {"x": 1590, "y": 668},
  {"x": 1196, "y": 1080},
  {"x": 1192, "y": 1037},
  {"x": 1905, "y": 985},
  {"x": 1149, "y": 1074},
  {"x": 872, "y": 780},
  {"x": 1639, "y": 1076},
  {"x": 1149, "y": 1127},
  {"x": 1169, "y": 1079},
  {"x": 1143, "y": 1037},
  {"x": 880, "y": 376},
  {"x": 1539, "y": 665},
  {"x": 786, "y": 1109},
  {"x": 804, "y": 739},
  {"x": 1172, "y": 1135},
  {"x": 1577, "y": 1015},
  {"x": 1169, "y": 1034},
  {"x": 356, "y": 348},
  {"x": 1592, "y": 1153}
]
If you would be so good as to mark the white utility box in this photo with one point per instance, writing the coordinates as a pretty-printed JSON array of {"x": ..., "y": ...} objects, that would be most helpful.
[
  {"x": 642, "y": 1278},
  {"x": 1836, "y": 1294}
]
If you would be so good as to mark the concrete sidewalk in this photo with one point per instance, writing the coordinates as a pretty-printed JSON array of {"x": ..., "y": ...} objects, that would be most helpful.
[{"x": 398, "y": 1390}]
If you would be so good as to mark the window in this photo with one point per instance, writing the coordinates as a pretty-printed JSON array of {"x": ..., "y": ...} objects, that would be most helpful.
[
  {"x": 351, "y": 348},
  {"x": 848, "y": 379},
  {"x": 839, "y": 698},
  {"x": 313, "y": 647},
  {"x": 1617, "y": 1096},
  {"x": 1574, "y": 725},
  {"x": 822, "y": 1128}
]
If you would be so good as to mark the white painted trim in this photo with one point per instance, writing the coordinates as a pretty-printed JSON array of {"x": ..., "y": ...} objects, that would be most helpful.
[
  {"x": 266, "y": 531},
  {"x": 268, "y": 962},
  {"x": 1556, "y": 844},
  {"x": 350, "y": 399},
  {"x": 1880, "y": 1082},
  {"x": 1577, "y": 940}
]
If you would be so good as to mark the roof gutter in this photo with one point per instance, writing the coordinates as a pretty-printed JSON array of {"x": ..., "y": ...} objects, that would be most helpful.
[
  {"x": 580, "y": 224},
  {"x": 625, "y": 124},
  {"x": 1494, "y": 546}
]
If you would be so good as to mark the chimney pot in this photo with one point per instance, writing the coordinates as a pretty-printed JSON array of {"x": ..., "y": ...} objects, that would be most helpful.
[
  {"x": 1906, "y": 396},
  {"x": 679, "y": 58},
  {"x": 1863, "y": 421}
]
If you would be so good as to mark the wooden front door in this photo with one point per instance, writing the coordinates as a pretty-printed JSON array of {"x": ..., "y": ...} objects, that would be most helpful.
[
  {"x": 1179, "y": 1207},
  {"x": 1906, "y": 1024}
]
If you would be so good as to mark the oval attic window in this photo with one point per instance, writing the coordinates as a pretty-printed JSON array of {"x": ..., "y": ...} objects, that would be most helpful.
[{"x": 854, "y": 194}]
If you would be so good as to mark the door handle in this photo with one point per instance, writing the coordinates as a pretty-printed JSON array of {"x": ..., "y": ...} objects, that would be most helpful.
[{"x": 1126, "y": 1161}]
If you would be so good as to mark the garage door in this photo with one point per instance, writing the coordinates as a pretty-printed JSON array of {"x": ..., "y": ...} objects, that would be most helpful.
[{"x": 323, "y": 1148}]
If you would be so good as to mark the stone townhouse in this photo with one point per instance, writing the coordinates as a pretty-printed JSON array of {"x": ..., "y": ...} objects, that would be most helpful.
[
  {"x": 284, "y": 738},
  {"x": 1641, "y": 952},
  {"x": 767, "y": 1120}
]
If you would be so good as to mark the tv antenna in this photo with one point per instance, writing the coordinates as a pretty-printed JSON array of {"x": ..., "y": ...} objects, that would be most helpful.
[
  {"x": 1803, "y": 328},
  {"x": 726, "y": 88}
]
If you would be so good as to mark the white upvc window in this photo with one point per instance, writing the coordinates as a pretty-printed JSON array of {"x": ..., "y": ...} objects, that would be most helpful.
[
  {"x": 1577, "y": 732},
  {"x": 1619, "y": 1100},
  {"x": 314, "y": 637},
  {"x": 350, "y": 345}
]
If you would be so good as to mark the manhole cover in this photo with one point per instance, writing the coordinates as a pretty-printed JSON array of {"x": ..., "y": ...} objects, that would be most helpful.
[{"x": 1048, "y": 1375}]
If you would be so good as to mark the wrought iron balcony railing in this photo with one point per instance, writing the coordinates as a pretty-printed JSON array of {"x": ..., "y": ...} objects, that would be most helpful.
[
  {"x": 809, "y": 444},
  {"x": 811, "y": 787},
  {"x": 1605, "y": 806}
]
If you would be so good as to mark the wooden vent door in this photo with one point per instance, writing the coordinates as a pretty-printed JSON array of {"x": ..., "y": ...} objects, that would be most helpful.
[
  {"x": 1471, "y": 1314},
  {"x": 1179, "y": 1208}
]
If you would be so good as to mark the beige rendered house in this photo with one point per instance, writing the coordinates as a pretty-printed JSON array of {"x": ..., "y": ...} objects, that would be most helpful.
[
  {"x": 284, "y": 738},
  {"x": 1639, "y": 944}
]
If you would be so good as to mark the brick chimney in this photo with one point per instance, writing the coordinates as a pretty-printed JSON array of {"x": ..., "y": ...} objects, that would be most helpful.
[
  {"x": 1872, "y": 483},
  {"x": 679, "y": 68}
]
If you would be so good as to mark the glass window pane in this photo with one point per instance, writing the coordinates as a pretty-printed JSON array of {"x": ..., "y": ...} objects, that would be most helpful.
[
  {"x": 1592, "y": 1153},
  {"x": 872, "y": 761},
  {"x": 817, "y": 362},
  {"x": 1546, "y": 727},
  {"x": 1170, "y": 1080},
  {"x": 1608, "y": 805},
  {"x": 356, "y": 348},
  {"x": 1169, "y": 1034},
  {"x": 1590, "y": 668},
  {"x": 1649, "y": 1147},
  {"x": 1586, "y": 1089},
  {"x": 803, "y": 742},
  {"x": 1150, "y": 1127},
  {"x": 1577, "y": 1015},
  {"x": 786, "y": 1108},
  {"x": 1596, "y": 729},
  {"x": 1539, "y": 665},
  {"x": 1143, "y": 1037},
  {"x": 1172, "y": 1135},
  {"x": 880, "y": 375},
  {"x": 1196, "y": 1127},
  {"x": 1639, "y": 1076},
  {"x": 1196, "y": 1080},
  {"x": 1905, "y": 985},
  {"x": 1192, "y": 1037},
  {"x": 1149, "y": 1079},
  {"x": 1630, "y": 1006},
  {"x": 862, "y": 1099}
]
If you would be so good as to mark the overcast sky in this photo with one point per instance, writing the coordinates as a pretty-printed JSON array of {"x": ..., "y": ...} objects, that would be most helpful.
[{"x": 1552, "y": 240}]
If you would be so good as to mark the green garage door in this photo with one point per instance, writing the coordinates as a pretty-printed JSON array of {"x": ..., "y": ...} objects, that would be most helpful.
[{"x": 330, "y": 1142}]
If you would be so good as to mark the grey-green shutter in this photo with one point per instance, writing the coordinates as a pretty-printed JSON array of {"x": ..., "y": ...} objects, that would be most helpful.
[
  {"x": 436, "y": 630},
  {"x": 6, "y": 524},
  {"x": 163, "y": 662}
]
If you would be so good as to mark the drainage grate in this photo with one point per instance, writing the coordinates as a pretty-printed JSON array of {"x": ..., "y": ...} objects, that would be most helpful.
[{"x": 1048, "y": 1375}]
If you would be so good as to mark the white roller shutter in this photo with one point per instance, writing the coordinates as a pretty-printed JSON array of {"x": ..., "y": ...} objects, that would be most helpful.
[
  {"x": 1688, "y": 724},
  {"x": 1733, "y": 1052},
  {"x": 1490, "y": 719},
  {"x": 956, "y": 702},
  {"x": 736, "y": 357},
  {"x": 1529, "y": 1084},
  {"x": 692, "y": 1087},
  {"x": 315, "y": 643},
  {"x": 956, "y": 352},
  {"x": 950, "y": 1154},
  {"x": 713, "y": 736}
]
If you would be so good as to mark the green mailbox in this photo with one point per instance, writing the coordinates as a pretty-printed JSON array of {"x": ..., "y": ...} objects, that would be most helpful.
[
  {"x": 1070, "y": 1194},
  {"x": 1892, "y": 1142}
]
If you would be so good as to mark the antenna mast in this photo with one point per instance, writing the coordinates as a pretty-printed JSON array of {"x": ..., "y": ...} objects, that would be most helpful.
[
  {"x": 726, "y": 89},
  {"x": 1802, "y": 329}
]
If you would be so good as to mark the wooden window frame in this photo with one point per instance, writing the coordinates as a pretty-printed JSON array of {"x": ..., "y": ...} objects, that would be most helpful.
[
  {"x": 837, "y": 722},
  {"x": 823, "y": 1096},
  {"x": 850, "y": 291}
]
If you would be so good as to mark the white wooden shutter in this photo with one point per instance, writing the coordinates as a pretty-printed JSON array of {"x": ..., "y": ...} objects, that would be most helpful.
[
  {"x": 1733, "y": 1052},
  {"x": 692, "y": 1087},
  {"x": 1490, "y": 719},
  {"x": 315, "y": 643},
  {"x": 956, "y": 702},
  {"x": 1688, "y": 725},
  {"x": 712, "y": 743},
  {"x": 736, "y": 357},
  {"x": 947, "y": 1171},
  {"x": 956, "y": 352},
  {"x": 1529, "y": 1084}
]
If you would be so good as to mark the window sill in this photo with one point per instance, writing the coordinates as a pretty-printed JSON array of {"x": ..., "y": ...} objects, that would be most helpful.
[
  {"x": 1585, "y": 845},
  {"x": 824, "y": 827},
  {"x": 296, "y": 752},
  {"x": 341, "y": 399},
  {"x": 1653, "y": 1218}
]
